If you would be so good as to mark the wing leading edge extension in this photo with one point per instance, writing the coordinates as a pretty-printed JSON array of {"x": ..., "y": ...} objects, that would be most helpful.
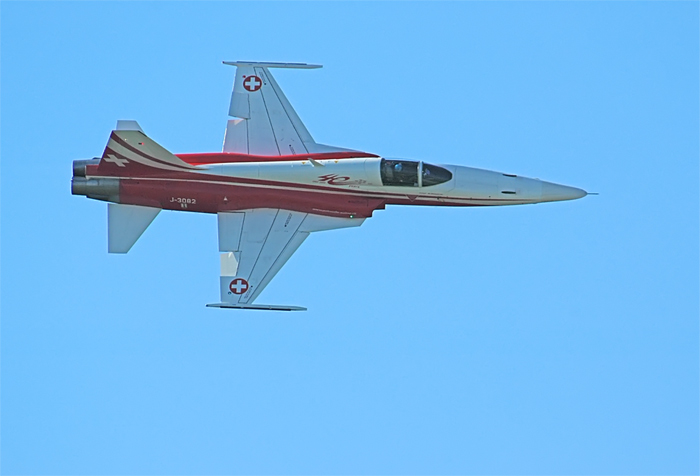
[{"x": 255, "y": 244}]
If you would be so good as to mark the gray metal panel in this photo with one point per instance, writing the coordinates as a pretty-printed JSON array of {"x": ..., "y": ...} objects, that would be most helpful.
[
  {"x": 126, "y": 223},
  {"x": 236, "y": 138},
  {"x": 286, "y": 135},
  {"x": 263, "y": 241},
  {"x": 240, "y": 106},
  {"x": 281, "y": 244},
  {"x": 299, "y": 127},
  {"x": 278, "y": 237},
  {"x": 323, "y": 223},
  {"x": 229, "y": 263},
  {"x": 128, "y": 126},
  {"x": 272, "y": 127},
  {"x": 230, "y": 228},
  {"x": 253, "y": 236},
  {"x": 291, "y": 247}
]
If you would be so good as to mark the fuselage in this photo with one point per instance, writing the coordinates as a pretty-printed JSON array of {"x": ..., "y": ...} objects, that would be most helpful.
[{"x": 332, "y": 184}]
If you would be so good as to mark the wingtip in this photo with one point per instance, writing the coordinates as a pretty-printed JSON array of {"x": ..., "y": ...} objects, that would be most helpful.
[
  {"x": 261, "y": 64},
  {"x": 255, "y": 307}
]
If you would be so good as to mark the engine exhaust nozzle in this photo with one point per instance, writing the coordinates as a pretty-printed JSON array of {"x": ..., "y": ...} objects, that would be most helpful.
[
  {"x": 98, "y": 188},
  {"x": 80, "y": 166}
]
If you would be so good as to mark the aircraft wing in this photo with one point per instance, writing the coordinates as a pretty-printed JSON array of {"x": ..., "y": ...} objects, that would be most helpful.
[
  {"x": 267, "y": 123},
  {"x": 255, "y": 244}
]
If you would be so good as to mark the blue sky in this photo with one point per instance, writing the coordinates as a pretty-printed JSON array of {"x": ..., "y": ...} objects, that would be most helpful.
[{"x": 548, "y": 339}]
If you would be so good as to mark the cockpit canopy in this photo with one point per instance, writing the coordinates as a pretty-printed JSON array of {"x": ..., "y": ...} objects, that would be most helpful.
[{"x": 409, "y": 173}]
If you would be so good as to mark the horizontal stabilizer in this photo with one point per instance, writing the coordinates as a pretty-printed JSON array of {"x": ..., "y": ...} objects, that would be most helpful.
[
  {"x": 256, "y": 307},
  {"x": 126, "y": 223}
]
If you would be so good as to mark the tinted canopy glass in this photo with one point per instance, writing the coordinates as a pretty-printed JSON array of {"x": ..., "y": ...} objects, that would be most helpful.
[
  {"x": 404, "y": 173},
  {"x": 433, "y": 175},
  {"x": 399, "y": 172}
]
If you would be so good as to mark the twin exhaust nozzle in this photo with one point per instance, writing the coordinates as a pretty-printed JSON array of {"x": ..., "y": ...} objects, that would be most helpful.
[
  {"x": 106, "y": 189},
  {"x": 80, "y": 166}
]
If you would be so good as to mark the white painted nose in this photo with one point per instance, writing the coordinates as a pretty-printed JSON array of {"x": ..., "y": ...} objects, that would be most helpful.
[{"x": 552, "y": 192}]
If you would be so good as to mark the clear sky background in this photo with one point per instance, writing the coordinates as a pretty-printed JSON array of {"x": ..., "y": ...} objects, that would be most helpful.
[{"x": 542, "y": 339}]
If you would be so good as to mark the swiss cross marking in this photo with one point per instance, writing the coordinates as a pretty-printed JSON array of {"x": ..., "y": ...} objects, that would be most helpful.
[
  {"x": 116, "y": 160},
  {"x": 238, "y": 286},
  {"x": 252, "y": 83}
]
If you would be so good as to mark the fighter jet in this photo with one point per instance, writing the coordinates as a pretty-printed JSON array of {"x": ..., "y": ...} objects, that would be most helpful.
[{"x": 273, "y": 185}]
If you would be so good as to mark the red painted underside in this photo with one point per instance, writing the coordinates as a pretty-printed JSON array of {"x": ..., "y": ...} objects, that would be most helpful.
[
  {"x": 229, "y": 157},
  {"x": 217, "y": 197}
]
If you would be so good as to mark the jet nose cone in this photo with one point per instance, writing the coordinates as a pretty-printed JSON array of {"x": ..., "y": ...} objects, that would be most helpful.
[{"x": 552, "y": 192}]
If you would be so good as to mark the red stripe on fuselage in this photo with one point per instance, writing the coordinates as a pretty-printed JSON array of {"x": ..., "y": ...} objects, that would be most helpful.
[{"x": 231, "y": 157}]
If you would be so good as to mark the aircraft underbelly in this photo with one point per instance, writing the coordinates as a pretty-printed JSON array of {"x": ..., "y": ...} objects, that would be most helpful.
[{"x": 207, "y": 197}]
